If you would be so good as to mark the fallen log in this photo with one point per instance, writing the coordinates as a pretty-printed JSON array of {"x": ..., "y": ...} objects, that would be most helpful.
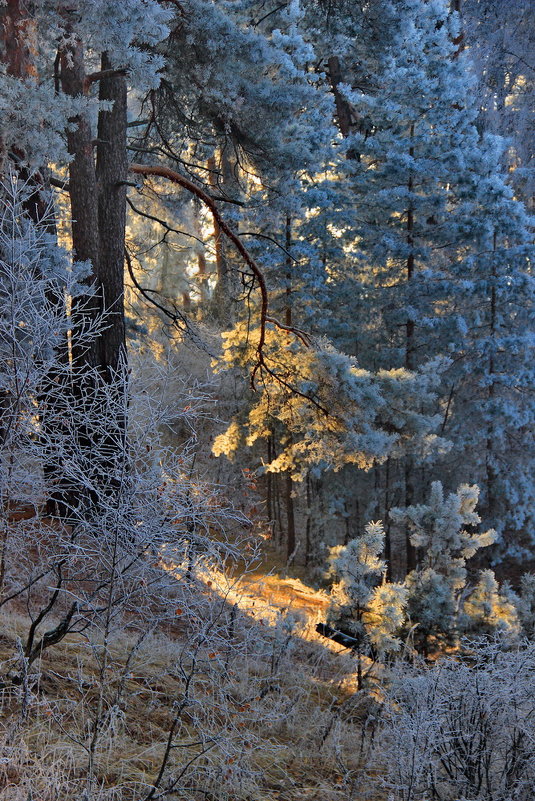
[{"x": 337, "y": 635}]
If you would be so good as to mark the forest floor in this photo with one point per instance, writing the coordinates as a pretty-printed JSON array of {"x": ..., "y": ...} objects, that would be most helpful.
[{"x": 306, "y": 730}]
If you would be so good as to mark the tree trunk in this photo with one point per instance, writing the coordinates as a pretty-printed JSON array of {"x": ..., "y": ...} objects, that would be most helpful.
[
  {"x": 490, "y": 457},
  {"x": 410, "y": 361},
  {"x": 388, "y": 537},
  {"x": 15, "y": 38},
  {"x": 223, "y": 292},
  {"x": 343, "y": 109},
  {"x": 201, "y": 257},
  {"x": 290, "y": 513},
  {"x": 111, "y": 176},
  {"x": 308, "y": 530},
  {"x": 98, "y": 208},
  {"x": 290, "y": 517},
  {"x": 83, "y": 198}
]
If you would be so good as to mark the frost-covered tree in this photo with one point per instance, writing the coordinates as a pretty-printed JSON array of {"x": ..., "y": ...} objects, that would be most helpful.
[
  {"x": 363, "y": 603},
  {"x": 487, "y": 611},
  {"x": 492, "y": 383},
  {"x": 524, "y": 602},
  {"x": 444, "y": 253},
  {"x": 55, "y": 56},
  {"x": 501, "y": 41},
  {"x": 460, "y": 729},
  {"x": 121, "y": 594},
  {"x": 443, "y": 533},
  {"x": 337, "y": 412},
  {"x": 90, "y": 56}
]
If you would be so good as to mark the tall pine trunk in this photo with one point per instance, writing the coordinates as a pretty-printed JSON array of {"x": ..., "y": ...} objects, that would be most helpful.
[
  {"x": 97, "y": 190},
  {"x": 410, "y": 362},
  {"x": 290, "y": 510},
  {"x": 111, "y": 175}
]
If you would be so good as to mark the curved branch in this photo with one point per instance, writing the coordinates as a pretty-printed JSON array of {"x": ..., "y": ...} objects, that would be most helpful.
[
  {"x": 168, "y": 228},
  {"x": 185, "y": 183},
  {"x": 302, "y": 335},
  {"x": 175, "y": 316}
]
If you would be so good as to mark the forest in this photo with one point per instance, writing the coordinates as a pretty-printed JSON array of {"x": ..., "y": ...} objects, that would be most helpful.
[{"x": 267, "y": 419}]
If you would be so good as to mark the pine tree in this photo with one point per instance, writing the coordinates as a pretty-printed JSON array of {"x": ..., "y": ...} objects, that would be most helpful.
[
  {"x": 445, "y": 253},
  {"x": 487, "y": 611},
  {"x": 371, "y": 610},
  {"x": 442, "y": 532}
]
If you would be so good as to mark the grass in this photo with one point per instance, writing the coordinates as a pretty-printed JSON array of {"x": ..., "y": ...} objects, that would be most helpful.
[{"x": 271, "y": 714}]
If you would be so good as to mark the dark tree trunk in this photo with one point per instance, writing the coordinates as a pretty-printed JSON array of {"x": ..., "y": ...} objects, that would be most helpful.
[
  {"x": 97, "y": 192},
  {"x": 308, "y": 530},
  {"x": 388, "y": 538},
  {"x": 410, "y": 360},
  {"x": 83, "y": 198},
  {"x": 490, "y": 456},
  {"x": 111, "y": 176},
  {"x": 344, "y": 115},
  {"x": 343, "y": 110},
  {"x": 98, "y": 209},
  {"x": 290, "y": 517},
  {"x": 290, "y": 512}
]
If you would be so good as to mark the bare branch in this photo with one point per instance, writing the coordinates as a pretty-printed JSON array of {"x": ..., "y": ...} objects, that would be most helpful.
[
  {"x": 169, "y": 229},
  {"x": 175, "y": 316}
]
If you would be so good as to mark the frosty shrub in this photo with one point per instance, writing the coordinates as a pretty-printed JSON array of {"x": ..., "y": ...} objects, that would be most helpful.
[
  {"x": 444, "y": 533},
  {"x": 462, "y": 729},
  {"x": 524, "y": 602},
  {"x": 487, "y": 611}
]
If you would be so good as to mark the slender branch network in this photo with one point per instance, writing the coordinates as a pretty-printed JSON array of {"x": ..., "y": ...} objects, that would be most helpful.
[{"x": 190, "y": 186}]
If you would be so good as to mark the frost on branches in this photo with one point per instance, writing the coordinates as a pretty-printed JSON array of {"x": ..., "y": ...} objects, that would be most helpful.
[
  {"x": 121, "y": 584},
  {"x": 441, "y": 601},
  {"x": 333, "y": 412},
  {"x": 363, "y": 602},
  {"x": 462, "y": 729}
]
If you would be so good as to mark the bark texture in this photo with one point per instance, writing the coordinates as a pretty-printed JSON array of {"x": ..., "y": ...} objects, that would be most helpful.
[{"x": 111, "y": 173}]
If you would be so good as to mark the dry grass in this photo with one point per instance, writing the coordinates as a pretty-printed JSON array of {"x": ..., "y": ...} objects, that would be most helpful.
[{"x": 277, "y": 708}]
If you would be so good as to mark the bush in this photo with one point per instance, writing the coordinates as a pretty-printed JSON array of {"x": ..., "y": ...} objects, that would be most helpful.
[{"x": 462, "y": 729}]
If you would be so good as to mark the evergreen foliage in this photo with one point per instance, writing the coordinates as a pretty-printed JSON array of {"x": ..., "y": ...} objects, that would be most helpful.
[
  {"x": 443, "y": 533},
  {"x": 297, "y": 236}
]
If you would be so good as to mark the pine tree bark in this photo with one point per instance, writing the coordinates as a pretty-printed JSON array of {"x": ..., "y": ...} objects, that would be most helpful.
[
  {"x": 344, "y": 116},
  {"x": 98, "y": 207},
  {"x": 15, "y": 26},
  {"x": 111, "y": 176},
  {"x": 83, "y": 200},
  {"x": 410, "y": 362},
  {"x": 343, "y": 110},
  {"x": 97, "y": 190}
]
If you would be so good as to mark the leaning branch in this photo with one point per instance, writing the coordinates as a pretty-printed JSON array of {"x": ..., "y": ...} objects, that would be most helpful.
[{"x": 185, "y": 183}]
